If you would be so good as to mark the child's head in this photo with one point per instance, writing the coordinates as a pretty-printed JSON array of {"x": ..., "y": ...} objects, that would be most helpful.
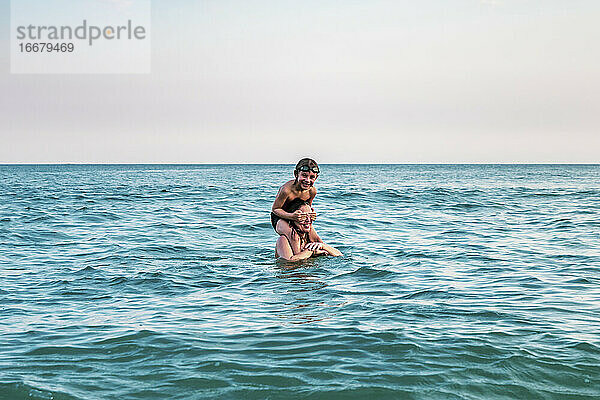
[{"x": 306, "y": 172}]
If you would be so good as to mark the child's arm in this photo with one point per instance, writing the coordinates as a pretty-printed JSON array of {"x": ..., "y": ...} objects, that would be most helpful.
[
  {"x": 277, "y": 209},
  {"x": 313, "y": 194}
]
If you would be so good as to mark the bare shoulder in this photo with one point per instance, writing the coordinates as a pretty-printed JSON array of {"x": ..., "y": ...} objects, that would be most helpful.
[
  {"x": 282, "y": 240},
  {"x": 283, "y": 243},
  {"x": 289, "y": 185},
  {"x": 286, "y": 188},
  {"x": 283, "y": 248}
]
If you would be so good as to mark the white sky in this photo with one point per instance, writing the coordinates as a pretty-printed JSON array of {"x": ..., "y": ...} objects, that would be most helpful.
[{"x": 438, "y": 81}]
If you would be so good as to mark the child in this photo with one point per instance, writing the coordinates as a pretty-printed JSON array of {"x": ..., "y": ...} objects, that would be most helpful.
[{"x": 306, "y": 173}]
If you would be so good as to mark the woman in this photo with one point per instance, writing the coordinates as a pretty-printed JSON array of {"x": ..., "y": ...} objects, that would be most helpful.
[{"x": 303, "y": 242}]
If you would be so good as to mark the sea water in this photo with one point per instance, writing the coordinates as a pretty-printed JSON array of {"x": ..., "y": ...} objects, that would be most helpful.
[{"x": 159, "y": 281}]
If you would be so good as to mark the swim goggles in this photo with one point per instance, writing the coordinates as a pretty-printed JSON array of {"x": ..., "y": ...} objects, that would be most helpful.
[{"x": 306, "y": 168}]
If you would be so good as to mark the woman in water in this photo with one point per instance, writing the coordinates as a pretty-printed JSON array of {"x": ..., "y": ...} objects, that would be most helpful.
[{"x": 302, "y": 243}]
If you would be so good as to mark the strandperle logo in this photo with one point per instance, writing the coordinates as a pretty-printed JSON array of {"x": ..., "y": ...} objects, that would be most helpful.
[
  {"x": 85, "y": 31},
  {"x": 80, "y": 36}
]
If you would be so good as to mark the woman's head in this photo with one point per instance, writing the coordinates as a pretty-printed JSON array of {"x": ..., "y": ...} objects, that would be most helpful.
[{"x": 298, "y": 204}]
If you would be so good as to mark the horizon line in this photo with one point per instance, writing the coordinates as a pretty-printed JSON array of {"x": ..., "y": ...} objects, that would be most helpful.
[{"x": 286, "y": 163}]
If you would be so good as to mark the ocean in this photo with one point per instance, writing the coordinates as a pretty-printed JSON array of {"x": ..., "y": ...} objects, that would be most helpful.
[{"x": 160, "y": 281}]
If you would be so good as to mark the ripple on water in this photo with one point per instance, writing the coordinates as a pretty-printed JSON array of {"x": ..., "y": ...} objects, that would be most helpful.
[{"x": 458, "y": 282}]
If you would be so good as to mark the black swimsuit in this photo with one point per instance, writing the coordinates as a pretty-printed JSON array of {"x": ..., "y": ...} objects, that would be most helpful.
[
  {"x": 274, "y": 220},
  {"x": 288, "y": 206}
]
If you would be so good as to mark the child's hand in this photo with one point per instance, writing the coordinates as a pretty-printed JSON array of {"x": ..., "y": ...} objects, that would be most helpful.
[{"x": 298, "y": 216}]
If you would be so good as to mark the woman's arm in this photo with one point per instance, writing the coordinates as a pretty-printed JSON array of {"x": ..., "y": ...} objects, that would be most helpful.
[
  {"x": 331, "y": 250},
  {"x": 320, "y": 249},
  {"x": 284, "y": 250},
  {"x": 313, "y": 236}
]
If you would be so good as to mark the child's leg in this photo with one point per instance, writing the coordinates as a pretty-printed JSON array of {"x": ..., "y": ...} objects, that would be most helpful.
[{"x": 283, "y": 228}]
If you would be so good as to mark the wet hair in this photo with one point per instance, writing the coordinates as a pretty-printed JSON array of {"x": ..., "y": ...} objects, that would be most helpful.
[{"x": 306, "y": 161}]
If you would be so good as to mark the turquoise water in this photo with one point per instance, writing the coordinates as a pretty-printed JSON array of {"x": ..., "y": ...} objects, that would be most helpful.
[{"x": 159, "y": 281}]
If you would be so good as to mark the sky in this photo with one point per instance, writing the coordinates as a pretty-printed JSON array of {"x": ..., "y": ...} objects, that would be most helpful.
[{"x": 372, "y": 81}]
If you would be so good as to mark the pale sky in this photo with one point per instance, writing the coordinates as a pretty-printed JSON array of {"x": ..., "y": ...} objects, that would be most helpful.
[{"x": 437, "y": 81}]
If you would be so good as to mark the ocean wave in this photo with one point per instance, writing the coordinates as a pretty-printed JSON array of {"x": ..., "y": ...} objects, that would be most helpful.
[
  {"x": 22, "y": 391},
  {"x": 161, "y": 282}
]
